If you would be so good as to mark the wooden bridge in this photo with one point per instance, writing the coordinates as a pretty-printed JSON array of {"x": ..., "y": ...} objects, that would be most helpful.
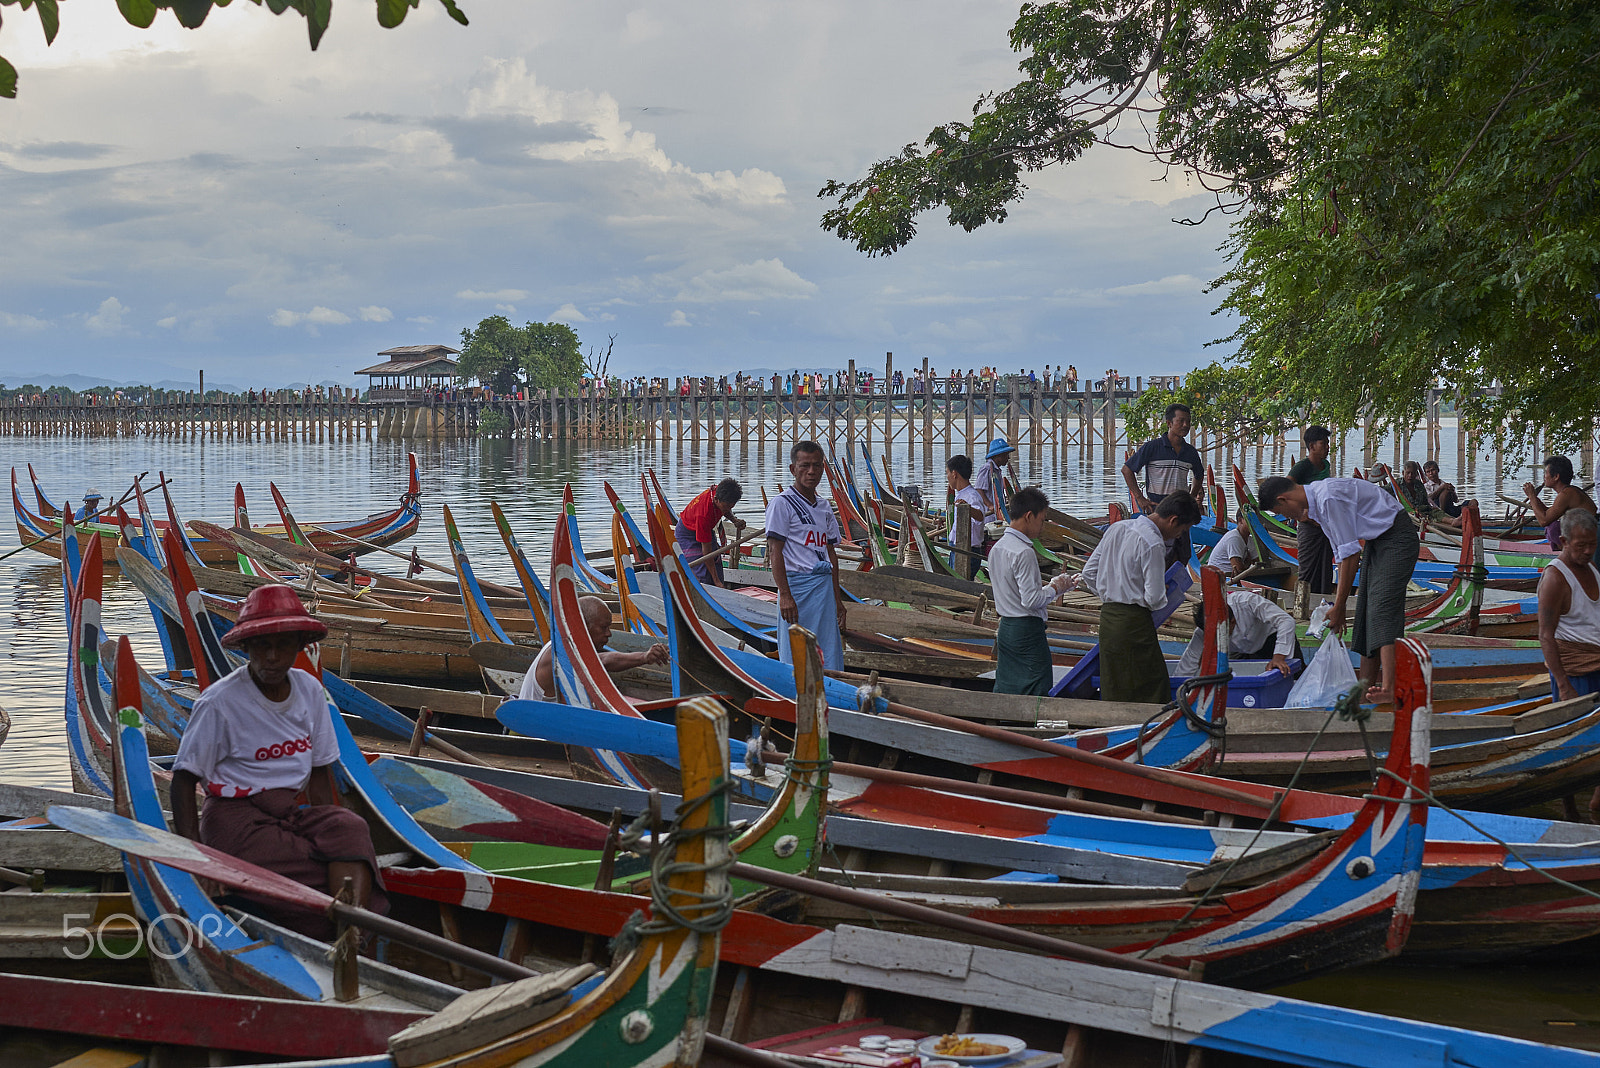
[{"x": 937, "y": 414}]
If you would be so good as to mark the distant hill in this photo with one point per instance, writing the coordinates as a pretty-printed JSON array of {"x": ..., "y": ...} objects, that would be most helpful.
[{"x": 13, "y": 379}]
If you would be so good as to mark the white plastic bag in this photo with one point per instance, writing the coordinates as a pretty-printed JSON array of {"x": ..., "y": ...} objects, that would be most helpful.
[{"x": 1327, "y": 676}]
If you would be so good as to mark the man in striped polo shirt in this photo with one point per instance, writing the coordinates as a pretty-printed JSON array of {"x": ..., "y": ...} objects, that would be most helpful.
[{"x": 1169, "y": 464}]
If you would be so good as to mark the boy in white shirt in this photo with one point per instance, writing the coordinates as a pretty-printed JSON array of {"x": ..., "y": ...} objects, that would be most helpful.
[
  {"x": 1022, "y": 599},
  {"x": 256, "y": 739},
  {"x": 801, "y": 533}
]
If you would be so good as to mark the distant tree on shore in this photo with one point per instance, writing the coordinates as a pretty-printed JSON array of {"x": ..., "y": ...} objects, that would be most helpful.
[
  {"x": 191, "y": 13},
  {"x": 504, "y": 357},
  {"x": 1412, "y": 184}
]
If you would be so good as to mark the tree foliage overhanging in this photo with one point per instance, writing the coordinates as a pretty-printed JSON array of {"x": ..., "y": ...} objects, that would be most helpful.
[
  {"x": 1415, "y": 186},
  {"x": 504, "y": 357},
  {"x": 191, "y": 13}
]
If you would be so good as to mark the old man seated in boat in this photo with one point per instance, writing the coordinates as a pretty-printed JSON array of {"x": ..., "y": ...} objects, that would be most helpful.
[
  {"x": 539, "y": 684},
  {"x": 261, "y": 744}
]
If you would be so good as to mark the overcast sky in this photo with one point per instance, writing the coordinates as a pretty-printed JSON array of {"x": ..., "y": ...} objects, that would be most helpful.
[{"x": 227, "y": 199}]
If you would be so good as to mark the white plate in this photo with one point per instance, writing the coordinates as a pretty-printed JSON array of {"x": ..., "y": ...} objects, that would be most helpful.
[{"x": 1013, "y": 1046}]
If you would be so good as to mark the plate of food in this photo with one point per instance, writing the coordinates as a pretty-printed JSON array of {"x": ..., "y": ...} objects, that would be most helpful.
[{"x": 971, "y": 1048}]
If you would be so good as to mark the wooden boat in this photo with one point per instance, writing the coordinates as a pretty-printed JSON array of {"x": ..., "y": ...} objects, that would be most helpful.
[
  {"x": 1452, "y": 897},
  {"x": 838, "y": 984},
  {"x": 668, "y": 973},
  {"x": 1247, "y": 936},
  {"x": 187, "y": 1026},
  {"x": 43, "y": 535}
]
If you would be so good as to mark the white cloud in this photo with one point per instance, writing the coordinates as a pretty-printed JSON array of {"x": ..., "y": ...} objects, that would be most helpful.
[
  {"x": 374, "y": 314},
  {"x": 568, "y": 313},
  {"x": 761, "y": 280},
  {"x": 1172, "y": 283},
  {"x": 677, "y": 318},
  {"x": 317, "y": 316},
  {"x": 168, "y": 323},
  {"x": 423, "y": 319},
  {"x": 496, "y": 294},
  {"x": 507, "y": 309},
  {"x": 587, "y": 127},
  {"x": 22, "y": 322},
  {"x": 108, "y": 319}
]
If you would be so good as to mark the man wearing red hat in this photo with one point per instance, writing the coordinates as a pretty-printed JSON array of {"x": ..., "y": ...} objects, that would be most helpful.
[{"x": 256, "y": 740}]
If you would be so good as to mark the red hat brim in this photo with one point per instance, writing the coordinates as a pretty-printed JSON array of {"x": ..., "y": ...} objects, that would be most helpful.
[{"x": 314, "y": 629}]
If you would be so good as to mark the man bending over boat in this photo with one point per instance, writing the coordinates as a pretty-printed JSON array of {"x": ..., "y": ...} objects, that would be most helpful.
[
  {"x": 1022, "y": 599},
  {"x": 697, "y": 528},
  {"x": 801, "y": 533},
  {"x": 540, "y": 682},
  {"x": 1128, "y": 572},
  {"x": 1257, "y": 630},
  {"x": 257, "y": 740},
  {"x": 1352, "y": 511}
]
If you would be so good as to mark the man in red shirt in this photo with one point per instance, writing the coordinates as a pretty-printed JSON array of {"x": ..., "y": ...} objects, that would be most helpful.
[{"x": 697, "y": 527}]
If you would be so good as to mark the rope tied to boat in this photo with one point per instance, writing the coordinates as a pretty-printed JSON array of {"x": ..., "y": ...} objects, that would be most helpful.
[
  {"x": 708, "y": 909},
  {"x": 798, "y": 771},
  {"x": 1216, "y": 730},
  {"x": 1348, "y": 706}
]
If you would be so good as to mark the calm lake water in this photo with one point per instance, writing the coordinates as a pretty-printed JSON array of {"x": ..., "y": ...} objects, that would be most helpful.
[{"x": 1549, "y": 1001}]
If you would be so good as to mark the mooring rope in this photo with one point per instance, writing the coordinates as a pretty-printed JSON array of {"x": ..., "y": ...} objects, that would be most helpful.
[{"x": 710, "y": 908}]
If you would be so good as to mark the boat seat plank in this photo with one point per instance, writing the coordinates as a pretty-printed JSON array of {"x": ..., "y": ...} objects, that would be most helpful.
[
  {"x": 483, "y": 1016},
  {"x": 53, "y": 850},
  {"x": 103, "y": 1058}
]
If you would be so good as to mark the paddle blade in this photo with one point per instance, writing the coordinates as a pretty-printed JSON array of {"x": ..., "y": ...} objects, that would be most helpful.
[{"x": 170, "y": 849}]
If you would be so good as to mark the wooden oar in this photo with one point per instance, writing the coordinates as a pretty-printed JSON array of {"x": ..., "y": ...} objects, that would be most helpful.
[
  {"x": 743, "y": 539},
  {"x": 167, "y": 848},
  {"x": 408, "y": 557},
  {"x": 57, "y": 532}
]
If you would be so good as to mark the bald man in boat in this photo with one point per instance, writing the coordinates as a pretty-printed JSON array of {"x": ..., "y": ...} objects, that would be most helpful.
[
  {"x": 258, "y": 739},
  {"x": 540, "y": 682}
]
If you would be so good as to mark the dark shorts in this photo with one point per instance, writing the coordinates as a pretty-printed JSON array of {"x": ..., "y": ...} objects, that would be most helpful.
[{"x": 1315, "y": 557}]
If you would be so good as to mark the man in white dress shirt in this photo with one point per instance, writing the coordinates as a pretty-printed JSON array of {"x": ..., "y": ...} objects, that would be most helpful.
[
  {"x": 1127, "y": 571},
  {"x": 1257, "y": 630},
  {"x": 1351, "y": 511},
  {"x": 1022, "y": 598}
]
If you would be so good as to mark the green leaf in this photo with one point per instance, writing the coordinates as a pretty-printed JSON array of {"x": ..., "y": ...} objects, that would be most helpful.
[
  {"x": 140, "y": 13},
  {"x": 317, "y": 13},
  {"x": 8, "y": 80},
  {"x": 49, "y": 19},
  {"x": 191, "y": 13},
  {"x": 392, "y": 13},
  {"x": 455, "y": 12}
]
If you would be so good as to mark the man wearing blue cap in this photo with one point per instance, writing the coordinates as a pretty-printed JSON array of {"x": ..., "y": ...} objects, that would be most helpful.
[{"x": 990, "y": 481}]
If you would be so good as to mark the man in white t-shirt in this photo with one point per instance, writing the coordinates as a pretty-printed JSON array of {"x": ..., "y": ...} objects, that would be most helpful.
[
  {"x": 256, "y": 740},
  {"x": 801, "y": 533},
  {"x": 539, "y": 684},
  {"x": 1233, "y": 553},
  {"x": 958, "y": 477}
]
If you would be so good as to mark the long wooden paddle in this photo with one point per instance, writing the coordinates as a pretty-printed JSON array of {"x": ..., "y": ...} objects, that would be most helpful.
[{"x": 57, "y": 532}]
